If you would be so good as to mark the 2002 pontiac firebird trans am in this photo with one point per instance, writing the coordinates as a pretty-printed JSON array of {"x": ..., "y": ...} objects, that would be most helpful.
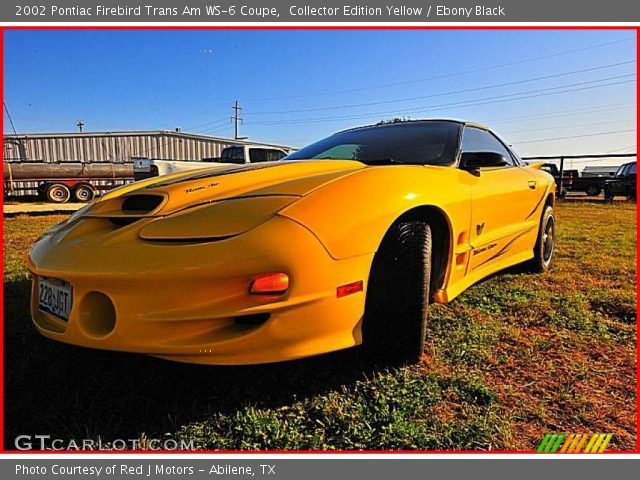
[{"x": 341, "y": 243}]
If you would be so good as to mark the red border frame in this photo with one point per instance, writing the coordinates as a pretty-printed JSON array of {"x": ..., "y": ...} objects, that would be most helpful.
[{"x": 301, "y": 27}]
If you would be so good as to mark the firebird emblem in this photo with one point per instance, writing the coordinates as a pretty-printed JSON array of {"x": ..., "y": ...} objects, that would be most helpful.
[
  {"x": 202, "y": 187},
  {"x": 479, "y": 228}
]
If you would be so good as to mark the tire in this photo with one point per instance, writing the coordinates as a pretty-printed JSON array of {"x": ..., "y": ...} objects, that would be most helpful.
[
  {"x": 545, "y": 244},
  {"x": 397, "y": 301},
  {"x": 593, "y": 190},
  {"x": 58, "y": 193},
  {"x": 83, "y": 193}
]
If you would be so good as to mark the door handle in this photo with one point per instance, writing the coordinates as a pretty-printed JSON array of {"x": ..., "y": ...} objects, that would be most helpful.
[{"x": 532, "y": 184}]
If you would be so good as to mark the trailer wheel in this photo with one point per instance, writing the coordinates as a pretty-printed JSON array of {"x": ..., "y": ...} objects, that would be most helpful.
[
  {"x": 83, "y": 193},
  {"x": 58, "y": 193}
]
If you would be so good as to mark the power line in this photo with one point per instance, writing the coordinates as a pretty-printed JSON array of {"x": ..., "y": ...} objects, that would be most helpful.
[
  {"x": 6, "y": 109},
  {"x": 623, "y": 149},
  {"x": 441, "y": 94},
  {"x": 608, "y": 122},
  {"x": 449, "y": 75},
  {"x": 211, "y": 122},
  {"x": 575, "y": 136},
  {"x": 467, "y": 103},
  {"x": 216, "y": 129},
  {"x": 561, "y": 113}
]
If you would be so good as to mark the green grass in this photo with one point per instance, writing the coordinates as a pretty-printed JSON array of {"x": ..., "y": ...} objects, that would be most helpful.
[{"x": 511, "y": 359}]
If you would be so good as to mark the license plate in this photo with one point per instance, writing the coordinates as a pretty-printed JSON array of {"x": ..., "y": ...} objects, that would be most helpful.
[{"x": 55, "y": 297}]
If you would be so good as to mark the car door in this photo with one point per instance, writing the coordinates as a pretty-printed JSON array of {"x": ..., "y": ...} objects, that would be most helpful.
[{"x": 502, "y": 199}]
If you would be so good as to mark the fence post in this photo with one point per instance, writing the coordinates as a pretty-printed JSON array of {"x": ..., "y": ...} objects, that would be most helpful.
[{"x": 561, "y": 188}]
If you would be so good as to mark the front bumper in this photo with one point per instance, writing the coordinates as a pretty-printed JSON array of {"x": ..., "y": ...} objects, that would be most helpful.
[{"x": 182, "y": 301}]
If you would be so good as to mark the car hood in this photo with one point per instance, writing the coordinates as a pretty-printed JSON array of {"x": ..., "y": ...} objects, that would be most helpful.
[{"x": 165, "y": 195}]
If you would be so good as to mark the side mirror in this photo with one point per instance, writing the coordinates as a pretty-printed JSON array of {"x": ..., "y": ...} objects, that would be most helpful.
[{"x": 473, "y": 161}]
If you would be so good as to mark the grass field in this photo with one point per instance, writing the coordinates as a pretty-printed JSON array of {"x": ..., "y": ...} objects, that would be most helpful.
[{"x": 513, "y": 358}]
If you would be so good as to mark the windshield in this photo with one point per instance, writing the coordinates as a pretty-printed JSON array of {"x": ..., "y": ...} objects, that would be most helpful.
[
  {"x": 422, "y": 143},
  {"x": 622, "y": 170}
]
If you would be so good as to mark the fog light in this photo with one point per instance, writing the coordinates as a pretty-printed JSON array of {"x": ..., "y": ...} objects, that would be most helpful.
[
  {"x": 269, "y": 284},
  {"x": 97, "y": 315}
]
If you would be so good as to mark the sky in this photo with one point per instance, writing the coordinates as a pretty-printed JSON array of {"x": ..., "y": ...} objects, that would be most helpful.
[{"x": 546, "y": 92}]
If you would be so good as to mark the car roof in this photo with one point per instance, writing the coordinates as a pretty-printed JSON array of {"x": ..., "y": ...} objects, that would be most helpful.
[{"x": 423, "y": 120}]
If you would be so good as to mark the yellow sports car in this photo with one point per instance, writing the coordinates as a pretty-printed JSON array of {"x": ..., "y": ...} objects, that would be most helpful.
[{"x": 343, "y": 242}]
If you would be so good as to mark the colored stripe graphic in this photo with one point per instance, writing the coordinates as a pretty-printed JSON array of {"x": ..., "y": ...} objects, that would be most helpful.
[
  {"x": 574, "y": 443},
  {"x": 568, "y": 442},
  {"x": 555, "y": 447},
  {"x": 605, "y": 442},
  {"x": 592, "y": 441}
]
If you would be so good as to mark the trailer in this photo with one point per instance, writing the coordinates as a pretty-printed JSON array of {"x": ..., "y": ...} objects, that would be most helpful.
[{"x": 61, "y": 182}]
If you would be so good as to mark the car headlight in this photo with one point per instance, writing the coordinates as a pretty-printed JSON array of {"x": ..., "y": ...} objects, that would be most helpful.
[{"x": 217, "y": 220}]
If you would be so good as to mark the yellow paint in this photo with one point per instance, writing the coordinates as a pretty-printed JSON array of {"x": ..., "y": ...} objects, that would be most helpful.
[{"x": 178, "y": 275}]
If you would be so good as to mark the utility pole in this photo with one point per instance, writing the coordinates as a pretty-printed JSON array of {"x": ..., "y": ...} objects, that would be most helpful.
[
  {"x": 236, "y": 118},
  {"x": 80, "y": 124}
]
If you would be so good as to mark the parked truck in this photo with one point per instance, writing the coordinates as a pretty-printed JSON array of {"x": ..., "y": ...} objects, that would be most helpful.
[
  {"x": 60, "y": 182},
  {"x": 573, "y": 181},
  {"x": 623, "y": 184},
  {"x": 235, "y": 154}
]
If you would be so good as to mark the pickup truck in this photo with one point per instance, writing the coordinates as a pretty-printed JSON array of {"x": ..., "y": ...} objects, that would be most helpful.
[
  {"x": 572, "y": 181},
  {"x": 623, "y": 184},
  {"x": 567, "y": 178},
  {"x": 235, "y": 154}
]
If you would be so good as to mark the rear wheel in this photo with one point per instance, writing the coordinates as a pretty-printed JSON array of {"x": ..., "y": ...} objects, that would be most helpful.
[
  {"x": 545, "y": 244},
  {"x": 83, "y": 193},
  {"x": 58, "y": 193},
  {"x": 397, "y": 300}
]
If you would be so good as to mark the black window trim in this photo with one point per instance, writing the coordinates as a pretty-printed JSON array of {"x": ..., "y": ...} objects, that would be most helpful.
[{"x": 485, "y": 129}]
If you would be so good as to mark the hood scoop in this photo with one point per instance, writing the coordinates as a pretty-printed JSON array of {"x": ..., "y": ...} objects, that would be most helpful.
[{"x": 141, "y": 204}]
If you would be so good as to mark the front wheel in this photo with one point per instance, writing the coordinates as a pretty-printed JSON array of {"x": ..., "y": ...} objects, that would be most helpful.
[
  {"x": 397, "y": 302},
  {"x": 545, "y": 244}
]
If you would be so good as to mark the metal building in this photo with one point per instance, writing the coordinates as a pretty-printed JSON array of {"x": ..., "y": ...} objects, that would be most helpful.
[{"x": 117, "y": 147}]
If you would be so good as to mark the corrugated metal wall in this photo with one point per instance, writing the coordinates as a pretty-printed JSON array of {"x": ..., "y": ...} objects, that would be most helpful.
[{"x": 116, "y": 147}]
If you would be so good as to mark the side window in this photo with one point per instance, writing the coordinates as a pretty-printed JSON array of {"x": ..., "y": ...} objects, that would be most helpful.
[
  {"x": 632, "y": 170},
  {"x": 257, "y": 155},
  {"x": 478, "y": 140},
  {"x": 275, "y": 155}
]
